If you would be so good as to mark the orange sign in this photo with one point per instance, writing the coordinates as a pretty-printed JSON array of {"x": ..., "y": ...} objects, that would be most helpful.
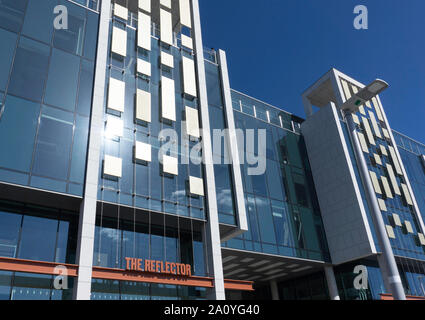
[{"x": 179, "y": 269}]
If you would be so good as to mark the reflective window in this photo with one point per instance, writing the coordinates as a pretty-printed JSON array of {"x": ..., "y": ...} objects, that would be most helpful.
[
  {"x": 72, "y": 39},
  {"x": 11, "y": 14},
  {"x": 10, "y": 225},
  {"x": 17, "y": 133},
  {"x": 61, "y": 88},
  {"x": 38, "y": 239},
  {"x": 265, "y": 216},
  {"x": 29, "y": 69},
  {"x": 5, "y": 283},
  {"x": 53, "y": 143},
  {"x": 7, "y": 49},
  {"x": 85, "y": 88},
  {"x": 38, "y": 23}
]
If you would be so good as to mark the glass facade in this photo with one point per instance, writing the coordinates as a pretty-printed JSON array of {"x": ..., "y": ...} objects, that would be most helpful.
[
  {"x": 282, "y": 209},
  {"x": 46, "y": 80},
  {"x": 410, "y": 152}
]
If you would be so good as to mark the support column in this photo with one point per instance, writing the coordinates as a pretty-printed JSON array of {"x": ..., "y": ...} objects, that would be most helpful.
[
  {"x": 330, "y": 279},
  {"x": 234, "y": 150},
  {"x": 274, "y": 290},
  {"x": 393, "y": 278},
  {"x": 213, "y": 231},
  {"x": 87, "y": 219},
  {"x": 384, "y": 273}
]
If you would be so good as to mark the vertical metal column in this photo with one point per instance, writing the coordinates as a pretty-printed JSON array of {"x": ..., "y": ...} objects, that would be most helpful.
[
  {"x": 213, "y": 230},
  {"x": 87, "y": 220},
  {"x": 274, "y": 290},
  {"x": 330, "y": 279},
  {"x": 393, "y": 279}
]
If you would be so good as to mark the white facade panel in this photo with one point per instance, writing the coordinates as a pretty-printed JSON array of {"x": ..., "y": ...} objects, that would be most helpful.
[
  {"x": 166, "y": 3},
  {"x": 393, "y": 179},
  {"x": 112, "y": 166},
  {"x": 170, "y": 165},
  {"x": 375, "y": 125},
  {"x": 395, "y": 161},
  {"x": 145, "y": 5},
  {"x": 375, "y": 182},
  {"x": 114, "y": 127},
  {"x": 143, "y": 106},
  {"x": 168, "y": 99},
  {"x": 387, "y": 188},
  {"x": 185, "y": 16},
  {"x": 144, "y": 31},
  {"x": 119, "y": 41},
  {"x": 143, "y": 151},
  {"x": 196, "y": 186},
  {"x": 363, "y": 142},
  {"x": 192, "y": 122},
  {"x": 143, "y": 67},
  {"x": 116, "y": 95},
  {"x": 167, "y": 59},
  {"x": 368, "y": 131},
  {"x": 166, "y": 27},
  {"x": 120, "y": 12},
  {"x": 189, "y": 79},
  {"x": 187, "y": 42},
  {"x": 406, "y": 194}
]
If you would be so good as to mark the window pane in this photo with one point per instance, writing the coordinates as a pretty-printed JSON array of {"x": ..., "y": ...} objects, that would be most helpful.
[
  {"x": 10, "y": 225},
  {"x": 53, "y": 144},
  {"x": 17, "y": 133},
  {"x": 5, "y": 282},
  {"x": 266, "y": 220},
  {"x": 30, "y": 69},
  {"x": 8, "y": 41},
  {"x": 38, "y": 239},
  {"x": 61, "y": 89},
  {"x": 39, "y": 18},
  {"x": 90, "y": 43},
  {"x": 72, "y": 39},
  {"x": 12, "y": 13},
  {"x": 85, "y": 88},
  {"x": 29, "y": 286},
  {"x": 79, "y": 150}
]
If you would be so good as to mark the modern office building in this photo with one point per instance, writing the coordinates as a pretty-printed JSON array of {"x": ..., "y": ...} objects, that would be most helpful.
[{"x": 129, "y": 169}]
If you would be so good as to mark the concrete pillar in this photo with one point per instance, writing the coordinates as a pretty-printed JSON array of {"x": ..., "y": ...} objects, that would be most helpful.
[
  {"x": 384, "y": 273},
  {"x": 213, "y": 231},
  {"x": 330, "y": 279},
  {"x": 274, "y": 290},
  {"x": 87, "y": 221}
]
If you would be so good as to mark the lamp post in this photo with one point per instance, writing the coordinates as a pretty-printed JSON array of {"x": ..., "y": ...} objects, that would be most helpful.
[{"x": 349, "y": 107}]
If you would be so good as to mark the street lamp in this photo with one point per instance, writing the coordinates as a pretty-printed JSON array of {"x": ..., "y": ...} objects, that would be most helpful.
[{"x": 349, "y": 107}]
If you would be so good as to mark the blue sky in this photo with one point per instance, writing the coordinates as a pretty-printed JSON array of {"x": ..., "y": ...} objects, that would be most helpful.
[{"x": 277, "y": 48}]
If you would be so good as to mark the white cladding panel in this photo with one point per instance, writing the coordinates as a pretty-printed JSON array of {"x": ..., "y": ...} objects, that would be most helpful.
[
  {"x": 170, "y": 165},
  {"x": 192, "y": 122},
  {"x": 144, "y": 31},
  {"x": 143, "y": 105},
  {"x": 196, "y": 186},
  {"x": 166, "y": 27},
  {"x": 112, "y": 166},
  {"x": 185, "y": 16},
  {"x": 189, "y": 78},
  {"x": 167, "y": 59},
  {"x": 116, "y": 95},
  {"x": 143, "y": 67},
  {"x": 168, "y": 99},
  {"x": 143, "y": 151},
  {"x": 119, "y": 41},
  {"x": 145, "y": 5},
  {"x": 121, "y": 12}
]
